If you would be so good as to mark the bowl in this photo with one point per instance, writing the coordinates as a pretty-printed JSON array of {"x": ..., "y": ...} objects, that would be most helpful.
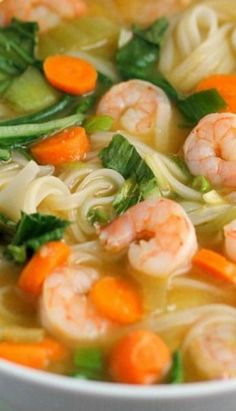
[{"x": 22, "y": 389}]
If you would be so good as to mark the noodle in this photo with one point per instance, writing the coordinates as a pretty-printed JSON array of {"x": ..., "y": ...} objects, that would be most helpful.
[{"x": 199, "y": 43}]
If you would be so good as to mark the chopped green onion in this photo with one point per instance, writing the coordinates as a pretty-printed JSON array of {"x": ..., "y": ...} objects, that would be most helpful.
[
  {"x": 5, "y": 155},
  {"x": 177, "y": 370},
  {"x": 202, "y": 184},
  {"x": 89, "y": 363},
  {"x": 98, "y": 216}
]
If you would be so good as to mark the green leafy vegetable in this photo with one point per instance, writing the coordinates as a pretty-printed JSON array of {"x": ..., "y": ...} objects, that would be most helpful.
[
  {"x": 21, "y": 135},
  {"x": 127, "y": 196},
  {"x": 89, "y": 363},
  {"x": 177, "y": 370},
  {"x": 17, "y": 49},
  {"x": 98, "y": 216},
  {"x": 200, "y": 104},
  {"x": 155, "y": 33},
  {"x": 201, "y": 184},
  {"x": 32, "y": 231},
  {"x": 141, "y": 183},
  {"x": 98, "y": 123}
]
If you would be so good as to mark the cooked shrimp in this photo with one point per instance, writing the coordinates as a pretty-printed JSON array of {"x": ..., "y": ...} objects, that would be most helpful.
[
  {"x": 66, "y": 310},
  {"x": 210, "y": 149},
  {"x": 213, "y": 339},
  {"x": 230, "y": 240},
  {"x": 139, "y": 107},
  {"x": 168, "y": 239},
  {"x": 48, "y": 13}
]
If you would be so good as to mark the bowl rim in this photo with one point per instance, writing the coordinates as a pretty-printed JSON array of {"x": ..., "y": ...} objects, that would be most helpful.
[{"x": 116, "y": 391}]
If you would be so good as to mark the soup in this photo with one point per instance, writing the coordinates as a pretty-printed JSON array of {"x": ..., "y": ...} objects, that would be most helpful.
[{"x": 117, "y": 189}]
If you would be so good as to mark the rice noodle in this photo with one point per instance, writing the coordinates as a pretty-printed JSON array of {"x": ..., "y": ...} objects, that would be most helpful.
[{"x": 184, "y": 318}]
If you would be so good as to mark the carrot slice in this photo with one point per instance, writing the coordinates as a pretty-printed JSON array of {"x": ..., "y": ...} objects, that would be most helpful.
[
  {"x": 141, "y": 357},
  {"x": 225, "y": 84},
  {"x": 49, "y": 257},
  {"x": 70, "y": 74},
  {"x": 38, "y": 355},
  {"x": 117, "y": 299},
  {"x": 216, "y": 265},
  {"x": 68, "y": 145}
]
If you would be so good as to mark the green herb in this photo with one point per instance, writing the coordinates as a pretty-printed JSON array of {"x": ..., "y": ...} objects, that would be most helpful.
[
  {"x": 201, "y": 184},
  {"x": 155, "y": 33},
  {"x": 200, "y": 104},
  {"x": 98, "y": 216},
  {"x": 141, "y": 183},
  {"x": 177, "y": 370},
  {"x": 17, "y": 49},
  {"x": 140, "y": 55},
  {"x": 128, "y": 195},
  {"x": 89, "y": 363},
  {"x": 98, "y": 123},
  {"x": 20, "y": 135},
  {"x": 32, "y": 231}
]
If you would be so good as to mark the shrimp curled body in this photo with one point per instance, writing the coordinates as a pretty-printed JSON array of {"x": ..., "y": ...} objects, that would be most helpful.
[
  {"x": 210, "y": 149},
  {"x": 48, "y": 13},
  {"x": 171, "y": 239},
  {"x": 139, "y": 107},
  {"x": 65, "y": 308},
  {"x": 213, "y": 339}
]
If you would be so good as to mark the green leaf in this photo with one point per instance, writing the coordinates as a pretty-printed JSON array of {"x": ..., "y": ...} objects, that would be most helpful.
[
  {"x": 155, "y": 33},
  {"x": 140, "y": 183},
  {"x": 98, "y": 123},
  {"x": 198, "y": 105},
  {"x": 128, "y": 195},
  {"x": 123, "y": 157},
  {"x": 89, "y": 363},
  {"x": 177, "y": 370},
  {"x": 32, "y": 231}
]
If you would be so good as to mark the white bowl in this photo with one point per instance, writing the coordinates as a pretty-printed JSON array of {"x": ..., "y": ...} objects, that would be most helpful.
[{"x": 22, "y": 389}]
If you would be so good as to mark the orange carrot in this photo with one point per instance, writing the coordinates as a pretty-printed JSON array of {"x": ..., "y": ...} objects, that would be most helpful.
[
  {"x": 225, "y": 84},
  {"x": 68, "y": 145},
  {"x": 38, "y": 355},
  {"x": 117, "y": 299},
  {"x": 48, "y": 257},
  {"x": 140, "y": 358},
  {"x": 216, "y": 265},
  {"x": 70, "y": 74}
]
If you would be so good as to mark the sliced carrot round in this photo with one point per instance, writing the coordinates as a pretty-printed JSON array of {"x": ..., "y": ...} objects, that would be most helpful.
[
  {"x": 68, "y": 145},
  {"x": 70, "y": 74},
  {"x": 48, "y": 258},
  {"x": 141, "y": 357},
  {"x": 225, "y": 84},
  {"x": 117, "y": 299}
]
